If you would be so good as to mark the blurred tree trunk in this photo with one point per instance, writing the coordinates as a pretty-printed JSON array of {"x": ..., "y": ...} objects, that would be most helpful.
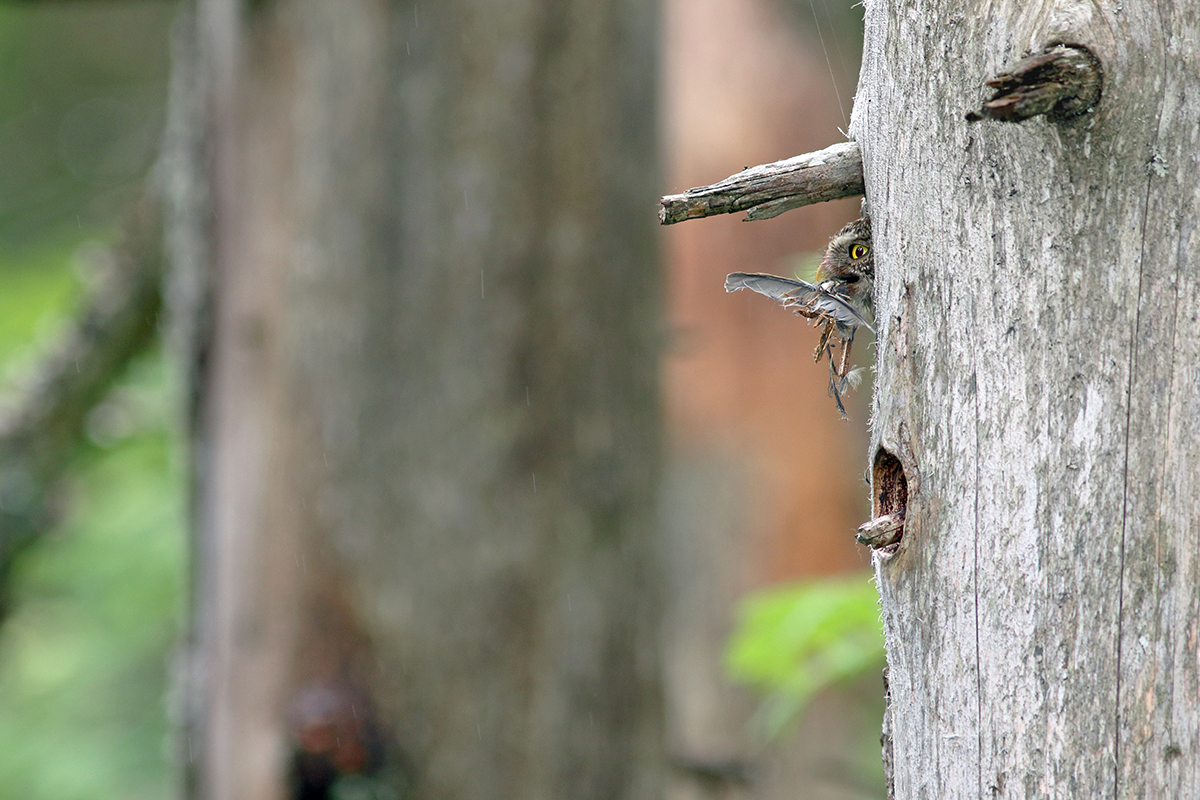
[
  {"x": 416, "y": 272},
  {"x": 1039, "y": 382}
]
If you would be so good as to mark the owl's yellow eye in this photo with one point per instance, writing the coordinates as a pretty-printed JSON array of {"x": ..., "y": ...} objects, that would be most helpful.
[{"x": 858, "y": 251}]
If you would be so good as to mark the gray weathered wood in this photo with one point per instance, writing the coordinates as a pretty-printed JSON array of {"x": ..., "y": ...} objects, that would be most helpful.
[
  {"x": 1061, "y": 81},
  {"x": 1039, "y": 379},
  {"x": 768, "y": 190}
]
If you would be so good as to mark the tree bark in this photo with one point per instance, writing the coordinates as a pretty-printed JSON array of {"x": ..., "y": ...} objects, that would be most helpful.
[
  {"x": 427, "y": 425},
  {"x": 768, "y": 190},
  {"x": 1039, "y": 382}
]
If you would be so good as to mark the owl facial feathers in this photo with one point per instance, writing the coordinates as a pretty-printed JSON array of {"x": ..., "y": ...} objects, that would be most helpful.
[
  {"x": 840, "y": 301},
  {"x": 849, "y": 259}
]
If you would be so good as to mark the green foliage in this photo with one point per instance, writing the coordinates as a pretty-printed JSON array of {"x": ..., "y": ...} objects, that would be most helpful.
[
  {"x": 36, "y": 290},
  {"x": 81, "y": 101},
  {"x": 84, "y": 655},
  {"x": 792, "y": 641},
  {"x": 93, "y": 607}
]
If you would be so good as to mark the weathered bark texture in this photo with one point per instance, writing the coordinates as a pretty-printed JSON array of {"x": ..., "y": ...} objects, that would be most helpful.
[
  {"x": 427, "y": 421},
  {"x": 1061, "y": 82},
  {"x": 1039, "y": 380},
  {"x": 768, "y": 190}
]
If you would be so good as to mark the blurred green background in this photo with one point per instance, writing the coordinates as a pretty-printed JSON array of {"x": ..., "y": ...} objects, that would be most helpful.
[{"x": 94, "y": 609}]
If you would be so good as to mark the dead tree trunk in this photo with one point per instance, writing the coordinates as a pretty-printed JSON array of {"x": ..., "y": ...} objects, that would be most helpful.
[
  {"x": 1039, "y": 384},
  {"x": 421, "y": 281}
]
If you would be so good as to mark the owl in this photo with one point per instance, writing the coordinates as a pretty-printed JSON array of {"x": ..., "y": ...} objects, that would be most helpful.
[{"x": 839, "y": 301}]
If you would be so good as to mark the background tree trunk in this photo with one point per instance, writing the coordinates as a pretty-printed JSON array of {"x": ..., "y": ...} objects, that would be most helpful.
[
  {"x": 1039, "y": 381},
  {"x": 427, "y": 410}
]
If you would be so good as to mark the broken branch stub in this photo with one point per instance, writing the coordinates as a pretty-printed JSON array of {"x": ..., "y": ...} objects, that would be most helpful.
[
  {"x": 889, "y": 505},
  {"x": 881, "y": 531},
  {"x": 770, "y": 189},
  {"x": 1062, "y": 81}
]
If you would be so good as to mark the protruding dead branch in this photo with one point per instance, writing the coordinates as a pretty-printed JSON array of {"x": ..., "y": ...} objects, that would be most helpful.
[
  {"x": 1062, "y": 81},
  {"x": 768, "y": 190}
]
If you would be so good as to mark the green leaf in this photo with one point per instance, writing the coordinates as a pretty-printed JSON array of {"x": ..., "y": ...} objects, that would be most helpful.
[{"x": 792, "y": 641}]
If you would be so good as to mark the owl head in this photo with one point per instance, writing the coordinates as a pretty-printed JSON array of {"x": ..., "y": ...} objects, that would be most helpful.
[{"x": 849, "y": 257}]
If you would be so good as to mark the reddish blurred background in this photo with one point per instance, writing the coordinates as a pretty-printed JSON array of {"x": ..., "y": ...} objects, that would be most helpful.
[{"x": 765, "y": 480}]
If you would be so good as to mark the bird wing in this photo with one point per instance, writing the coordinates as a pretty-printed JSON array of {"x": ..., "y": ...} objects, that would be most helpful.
[{"x": 792, "y": 292}]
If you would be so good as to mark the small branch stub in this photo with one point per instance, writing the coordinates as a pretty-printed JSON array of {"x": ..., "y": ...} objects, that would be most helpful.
[
  {"x": 881, "y": 531},
  {"x": 768, "y": 190},
  {"x": 1062, "y": 81}
]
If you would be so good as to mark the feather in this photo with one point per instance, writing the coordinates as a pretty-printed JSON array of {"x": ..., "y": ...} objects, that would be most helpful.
[
  {"x": 793, "y": 292},
  {"x": 772, "y": 286}
]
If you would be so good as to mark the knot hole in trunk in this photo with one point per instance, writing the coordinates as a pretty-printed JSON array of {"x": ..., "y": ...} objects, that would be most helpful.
[{"x": 889, "y": 505}]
